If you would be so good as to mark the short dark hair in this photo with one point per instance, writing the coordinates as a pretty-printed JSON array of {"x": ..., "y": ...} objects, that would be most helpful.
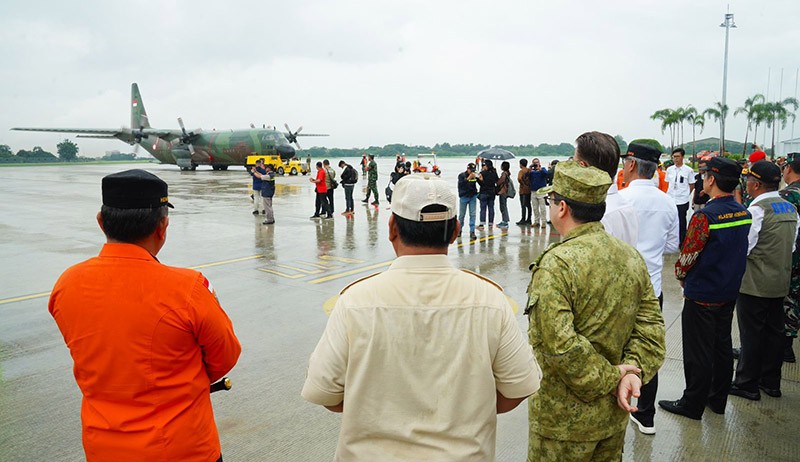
[
  {"x": 523, "y": 162},
  {"x": 426, "y": 234},
  {"x": 371, "y": 157},
  {"x": 582, "y": 212},
  {"x": 680, "y": 151},
  {"x": 325, "y": 162},
  {"x": 130, "y": 225},
  {"x": 319, "y": 164},
  {"x": 726, "y": 184},
  {"x": 599, "y": 150},
  {"x": 342, "y": 163},
  {"x": 505, "y": 165}
]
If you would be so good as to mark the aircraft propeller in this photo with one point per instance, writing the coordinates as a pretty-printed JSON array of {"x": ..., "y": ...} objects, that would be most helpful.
[
  {"x": 186, "y": 138},
  {"x": 292, "y": 137}
]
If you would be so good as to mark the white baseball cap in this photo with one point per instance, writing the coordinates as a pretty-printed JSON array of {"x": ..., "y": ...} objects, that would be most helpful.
[{"x": 419, "y": 190}]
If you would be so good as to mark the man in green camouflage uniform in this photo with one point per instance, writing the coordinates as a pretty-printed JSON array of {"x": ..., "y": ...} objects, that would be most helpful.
[
  {"x": 372, "y": 180},
  {"x": 791, "y": 304},
  {"x": 595, "y": 326}
]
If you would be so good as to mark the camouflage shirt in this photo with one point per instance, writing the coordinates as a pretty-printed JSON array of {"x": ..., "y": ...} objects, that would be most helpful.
[
  {"x": 372, "y": 173},
  {"x": 591, "y": 306}
]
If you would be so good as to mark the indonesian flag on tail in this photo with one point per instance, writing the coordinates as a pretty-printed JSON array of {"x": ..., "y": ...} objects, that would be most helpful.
[{"x": 135, "y": 103}]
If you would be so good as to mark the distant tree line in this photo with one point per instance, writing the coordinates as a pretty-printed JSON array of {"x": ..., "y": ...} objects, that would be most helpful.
[
  {"x": 67, "y": 152},
  {"x": 449, "y": 150}
]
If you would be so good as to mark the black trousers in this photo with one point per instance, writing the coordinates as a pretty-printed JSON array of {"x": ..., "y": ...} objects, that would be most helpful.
[
  {"x": 707, "y": 354},
  {"x": 329, "y": 194},
  {"x": 761, "y": 331},
  {"x": 525, "y": 204},
  {"x": 321, "y": 205},
  {"x": 647, "y": 397},
  {"x": 683, "y": 209}
]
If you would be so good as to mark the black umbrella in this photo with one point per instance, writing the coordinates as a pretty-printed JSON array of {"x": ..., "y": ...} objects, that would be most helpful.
[{"x": 496, "y": 154}]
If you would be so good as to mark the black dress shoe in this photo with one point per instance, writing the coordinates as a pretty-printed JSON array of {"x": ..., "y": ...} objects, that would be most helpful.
[
  {"x": 679, "y": 407},
  {"x": 736, "y": 353},
  {"x": 751, "y": 395},
  {"x": 716, "y": 408},
  {"x": 788, "y": 354},
  {"x": 775, "y": 393}
]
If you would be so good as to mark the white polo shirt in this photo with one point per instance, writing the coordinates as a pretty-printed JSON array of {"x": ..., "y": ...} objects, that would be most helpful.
[
  {"x": 658, "y": 226},
  {"x": 620, "y": 219},
  {"x": 679, "y": 179},
  {"x": 417, "y": 354}
]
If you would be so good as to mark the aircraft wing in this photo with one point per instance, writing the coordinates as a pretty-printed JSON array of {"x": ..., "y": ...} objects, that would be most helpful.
[{"x": 124, "y": 134}]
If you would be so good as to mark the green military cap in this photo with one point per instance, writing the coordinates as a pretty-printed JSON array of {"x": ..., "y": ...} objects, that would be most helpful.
[{"x": 579, "y": 183}]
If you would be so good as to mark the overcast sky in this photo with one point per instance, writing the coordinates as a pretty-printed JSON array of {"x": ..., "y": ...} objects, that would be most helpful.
[{"x": 378, "y": 72}]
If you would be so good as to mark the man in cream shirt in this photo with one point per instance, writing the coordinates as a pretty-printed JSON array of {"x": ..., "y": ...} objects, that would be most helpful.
[{"x": 421, "y": 358}]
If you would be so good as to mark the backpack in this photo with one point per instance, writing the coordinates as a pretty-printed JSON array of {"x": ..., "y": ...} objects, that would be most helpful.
[{"x": 510, "y": 191}]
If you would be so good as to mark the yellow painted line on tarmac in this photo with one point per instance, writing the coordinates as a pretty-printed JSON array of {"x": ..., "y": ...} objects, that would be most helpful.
[
  {"x": 351, "y": 272},
  {"x": 225, "y": 262},
  {"x": 486, "y": 238},
  {"x": 319, "y": 265},
  {"x": 283, "y": 275},
  {"x": 300, "y": 270},
  {"x": 24, "y": 297},
  {"x": 341, "y": 259}
]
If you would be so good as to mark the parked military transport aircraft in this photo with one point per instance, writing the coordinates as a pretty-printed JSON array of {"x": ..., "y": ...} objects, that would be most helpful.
[{"x": 188, "y": 149}]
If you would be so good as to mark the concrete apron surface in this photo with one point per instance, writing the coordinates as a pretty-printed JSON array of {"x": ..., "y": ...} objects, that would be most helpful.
[{"x": 272, "y": 281}]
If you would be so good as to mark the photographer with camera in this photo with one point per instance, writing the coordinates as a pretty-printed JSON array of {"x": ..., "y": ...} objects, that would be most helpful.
[
  {"x": 538, "y": 180},
  {"x": 467, "y": 197}
]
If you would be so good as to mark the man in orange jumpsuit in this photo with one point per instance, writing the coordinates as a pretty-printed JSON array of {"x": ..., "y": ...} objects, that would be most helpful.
[{"x": 146, "y": 339}]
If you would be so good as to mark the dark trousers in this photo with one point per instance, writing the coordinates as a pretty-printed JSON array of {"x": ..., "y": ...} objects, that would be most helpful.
[
  {"x": 487, "y": 204},
  {"x": 330, "y": 199},
  {"x": 707, "y": 354},
  {"x": 647, "y": 398},
  {"x": 348, "y": 196},
  {"x": 525, "y": 204},
  {"x": 683, "y": 209},
  {"x": 761, "y": 331},
  {"x": 321, "y": 204}
]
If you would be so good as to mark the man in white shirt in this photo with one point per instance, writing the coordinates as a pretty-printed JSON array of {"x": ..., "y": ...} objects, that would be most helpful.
[
  {"x": 658, "y": 234},
  {"x": 680, "y": 178},
  {"x": 600, "y": 150},
  {"x": 421, "y": 374}
]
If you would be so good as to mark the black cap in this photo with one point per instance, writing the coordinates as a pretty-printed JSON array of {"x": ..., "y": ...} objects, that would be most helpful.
[
  {"x": 134, "y": 189},
  {"x": 766, "y": 172},
  {"x": 722, "y": 167},
  {"x": 644, "y": 152}
]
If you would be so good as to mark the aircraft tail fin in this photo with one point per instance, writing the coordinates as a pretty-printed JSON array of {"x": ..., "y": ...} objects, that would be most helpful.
[{"x": 138, "y": 114}]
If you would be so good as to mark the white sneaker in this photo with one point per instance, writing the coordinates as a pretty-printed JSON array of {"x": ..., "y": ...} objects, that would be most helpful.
[{"x": 642, "y": 428}]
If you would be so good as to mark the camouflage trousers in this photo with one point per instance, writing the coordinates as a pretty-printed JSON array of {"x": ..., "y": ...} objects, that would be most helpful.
[
  {"x": 546, "y": 449},
  {"x": 791, "y": 304}
]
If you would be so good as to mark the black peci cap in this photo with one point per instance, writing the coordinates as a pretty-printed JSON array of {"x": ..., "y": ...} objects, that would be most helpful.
[
  {"x": 766, "y": 172},
  {"x": 134, "y": 189},
  {"x": 644, "y": 152},
  {"x": 722, "y": 167}
]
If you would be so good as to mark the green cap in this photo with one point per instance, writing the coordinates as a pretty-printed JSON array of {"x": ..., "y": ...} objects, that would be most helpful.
[{"x": 579, "y": 183}]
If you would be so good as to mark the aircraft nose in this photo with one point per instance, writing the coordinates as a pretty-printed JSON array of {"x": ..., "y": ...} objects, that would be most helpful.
[{"x": 285, "y": 150}]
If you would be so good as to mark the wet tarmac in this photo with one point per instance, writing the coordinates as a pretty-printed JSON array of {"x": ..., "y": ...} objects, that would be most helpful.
[{"x": 272, "y": 281}]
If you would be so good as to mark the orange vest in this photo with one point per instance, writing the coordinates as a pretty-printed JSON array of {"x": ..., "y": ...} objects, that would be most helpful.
[
  {"x": 621, "y": 184},
  {"x": 662, "y": 180},
  {"x": 147, "y": 340}
]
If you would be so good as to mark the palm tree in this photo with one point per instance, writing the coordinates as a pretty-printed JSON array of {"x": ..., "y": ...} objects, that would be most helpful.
[
  {"x": 778, "y": 113},
  {"x": 680, "y": 116},
  {"x": 760, "y": 116},
  {"x": 667, "y": 118},
  {"x": 718, "y": 112},
  {"x": 697, "y": 120},
  {"x": 749, "y": 109}
]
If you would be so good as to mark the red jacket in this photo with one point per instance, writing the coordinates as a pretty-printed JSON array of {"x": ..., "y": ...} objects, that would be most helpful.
[{"x": 146, "y": 340}]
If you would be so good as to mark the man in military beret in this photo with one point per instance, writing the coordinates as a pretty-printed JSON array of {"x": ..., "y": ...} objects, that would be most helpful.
[
  {"x": 658, "y": 234},
  {"x": 710, "y": 269},
  {"x": 759, "y": 308},
  {"x": 421, "y": 374},
  {"x": 147, "y": 339},
  {"x": 594, "y": 325}
]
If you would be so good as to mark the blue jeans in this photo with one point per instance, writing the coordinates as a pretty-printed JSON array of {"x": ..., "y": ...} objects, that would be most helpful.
[
  {"x": 348, "y": 196},
  {"x": 487, "y": 202},
  {"x": 463, "y": 203},
  {"x": 504, "y": 208}
]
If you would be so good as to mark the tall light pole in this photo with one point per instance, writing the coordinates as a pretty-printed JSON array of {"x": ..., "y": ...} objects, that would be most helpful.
[{"x": 727, "y": 24}]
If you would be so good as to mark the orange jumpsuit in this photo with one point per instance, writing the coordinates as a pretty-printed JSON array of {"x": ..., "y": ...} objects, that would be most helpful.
[{"x": 146, "y": 340}]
